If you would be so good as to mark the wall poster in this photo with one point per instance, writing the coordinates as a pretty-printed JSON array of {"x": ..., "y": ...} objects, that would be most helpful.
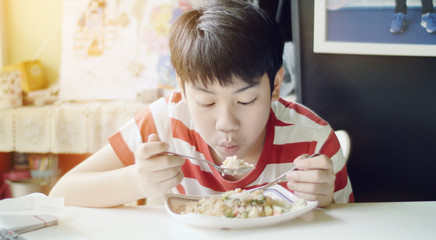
[
  {"x": 111, "y": 49},
  {"x": 364, "y": 27}
]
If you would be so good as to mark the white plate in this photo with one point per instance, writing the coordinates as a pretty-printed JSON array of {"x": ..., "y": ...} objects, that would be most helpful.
[{"x": 175, "y": 203}]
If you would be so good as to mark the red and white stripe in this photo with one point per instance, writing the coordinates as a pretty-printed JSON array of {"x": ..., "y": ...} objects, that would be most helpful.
[{"x": 292, "y": 130}]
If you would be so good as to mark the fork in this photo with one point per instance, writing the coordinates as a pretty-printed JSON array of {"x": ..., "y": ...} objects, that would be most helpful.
[
  {"x": 282, "y": 177},
  {"x": 222, "y": 170}
]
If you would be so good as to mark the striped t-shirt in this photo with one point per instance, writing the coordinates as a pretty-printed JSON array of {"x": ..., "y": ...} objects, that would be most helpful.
[{"x": 291, "y": 130}]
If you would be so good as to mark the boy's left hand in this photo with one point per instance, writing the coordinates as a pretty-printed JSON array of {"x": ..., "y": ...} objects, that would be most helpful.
[{"x": 314, "y": 180}]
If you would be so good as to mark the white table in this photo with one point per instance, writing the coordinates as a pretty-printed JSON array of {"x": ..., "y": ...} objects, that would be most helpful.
[{"x": 395, "y": 220}]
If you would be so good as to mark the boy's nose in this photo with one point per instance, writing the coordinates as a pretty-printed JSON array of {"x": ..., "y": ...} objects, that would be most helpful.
[{"x": 227, "y": 120}]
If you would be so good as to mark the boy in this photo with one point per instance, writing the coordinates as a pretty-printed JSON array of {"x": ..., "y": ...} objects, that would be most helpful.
[{"x": 228, "y": 58}]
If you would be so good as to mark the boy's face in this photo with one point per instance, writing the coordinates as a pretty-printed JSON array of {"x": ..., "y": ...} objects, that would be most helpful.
[{"x": 231, "y": 119}]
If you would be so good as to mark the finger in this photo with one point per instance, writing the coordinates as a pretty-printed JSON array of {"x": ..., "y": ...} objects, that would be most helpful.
[
  {"x": 303, "y": 156},
  {"x": 153, "y": 138},
  {"x": 159, "y": 163},
  {"x": 168, "y": 174},
  {"x": 158, "y": 188},
  {"x": 312, "y": 176},
  {"x": 151, "y": 148},
  {"x": 172, "y": 182},
  {"x": 157, "y": 177},
  {"x": 318, "y": 162},
  {"x": 323, "y": 200},
  {"x": 162, "y": 175},
  {"x": 311, "y": 188}
]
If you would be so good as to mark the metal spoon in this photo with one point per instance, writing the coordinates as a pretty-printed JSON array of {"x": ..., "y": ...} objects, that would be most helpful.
[
  {"x": 221, "y": 169},
  {"x": 282, "y": 177}
]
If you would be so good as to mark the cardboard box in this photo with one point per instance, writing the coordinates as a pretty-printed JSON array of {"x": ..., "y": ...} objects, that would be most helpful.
[{"x": 32, "y": 75}]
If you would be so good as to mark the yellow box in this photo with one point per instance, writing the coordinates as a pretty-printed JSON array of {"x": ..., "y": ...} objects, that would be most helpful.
[{"x": 32, "y": 75}]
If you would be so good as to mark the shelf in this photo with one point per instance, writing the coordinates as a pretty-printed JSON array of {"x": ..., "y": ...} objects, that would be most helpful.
[{"x": 64, "y": 128}]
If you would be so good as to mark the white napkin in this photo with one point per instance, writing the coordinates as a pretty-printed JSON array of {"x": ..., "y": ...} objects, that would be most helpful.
[{"x": 32, "y": 204}]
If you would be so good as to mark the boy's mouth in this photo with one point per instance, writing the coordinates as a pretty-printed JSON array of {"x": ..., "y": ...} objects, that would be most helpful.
[{"x": 229, "y": 150}]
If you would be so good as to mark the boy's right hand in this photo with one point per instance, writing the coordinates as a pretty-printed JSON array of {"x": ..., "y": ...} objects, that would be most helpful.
[{"x": 156, "y": 171}]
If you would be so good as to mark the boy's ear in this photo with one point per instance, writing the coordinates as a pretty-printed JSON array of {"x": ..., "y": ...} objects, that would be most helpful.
[{"x": 278, "y": 79}]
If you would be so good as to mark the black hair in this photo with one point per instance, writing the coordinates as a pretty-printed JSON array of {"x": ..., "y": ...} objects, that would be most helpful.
[{"x": 225, "y": 39}]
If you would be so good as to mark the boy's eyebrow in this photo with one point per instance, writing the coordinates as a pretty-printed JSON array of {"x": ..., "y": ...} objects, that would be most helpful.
[
  {"x": 203, "y": 89},
  {"x": 247, "y": 87}
]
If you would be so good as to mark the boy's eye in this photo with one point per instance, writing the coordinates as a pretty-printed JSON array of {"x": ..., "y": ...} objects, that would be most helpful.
[
  {"x": 206, "y": 104},
  {"x": 248, "y": 103},
  {"x": 204, "y": 101}
]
